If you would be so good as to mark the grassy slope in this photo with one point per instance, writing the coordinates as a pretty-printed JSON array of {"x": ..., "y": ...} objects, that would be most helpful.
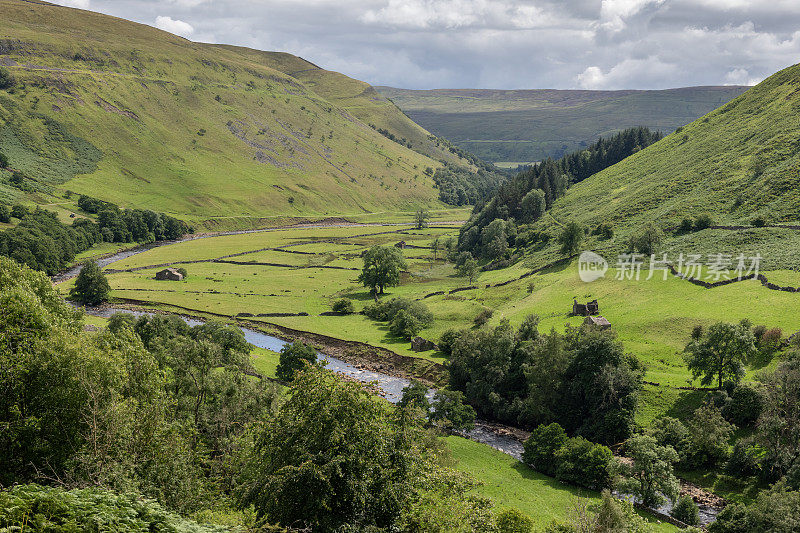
[
  {"x": 357, "y": 97},
  {"x": 146, "y": 100},
  {"x": 712, "y": 166},
  {"x": 512, "y": 484},
  {"x": 529, "y": 125}
]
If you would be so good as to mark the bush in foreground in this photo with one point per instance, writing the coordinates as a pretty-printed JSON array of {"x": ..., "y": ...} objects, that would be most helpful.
[{"x": 55, "y": 510}]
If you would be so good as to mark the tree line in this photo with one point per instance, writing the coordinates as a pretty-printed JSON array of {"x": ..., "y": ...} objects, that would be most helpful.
[
  {"x": 527, "y": 196},
  {"x": 43, "y": 242}
]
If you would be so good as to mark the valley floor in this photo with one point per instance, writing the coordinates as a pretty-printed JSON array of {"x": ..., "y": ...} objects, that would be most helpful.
[{"x": 289, "y": 278}]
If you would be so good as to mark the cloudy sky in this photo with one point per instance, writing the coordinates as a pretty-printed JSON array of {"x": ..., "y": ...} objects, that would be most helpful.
[{"x": 591, "y": 44}]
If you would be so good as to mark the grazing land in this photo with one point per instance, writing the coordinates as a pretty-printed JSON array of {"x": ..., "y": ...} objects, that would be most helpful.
[{"x": 302, "y": 271}]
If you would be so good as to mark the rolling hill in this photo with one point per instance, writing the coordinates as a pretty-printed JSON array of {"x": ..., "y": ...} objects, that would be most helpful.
[
  {"x": 737, "y": 163},
  {"x": 142, "y": 118},
  {"x": 529, "y": 125}
]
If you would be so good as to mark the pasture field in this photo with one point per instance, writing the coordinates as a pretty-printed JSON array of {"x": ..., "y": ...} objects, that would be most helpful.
[
  {"x": 512, "y": 484},
  {"x": 260, "y": 274}
]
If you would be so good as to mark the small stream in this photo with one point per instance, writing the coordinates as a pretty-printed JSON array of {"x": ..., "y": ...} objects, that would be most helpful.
[{"x": 389, "y": 387}]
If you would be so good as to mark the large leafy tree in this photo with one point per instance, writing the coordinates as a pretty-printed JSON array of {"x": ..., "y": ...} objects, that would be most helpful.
[
  {"x": 334, "y": 455},
  {"x": 294, "y": 357},
  {"x": 91, "y": 286},
  {"x": 650, "y": 476},
  {"x": 382, "y": 267},
  {"x": 600, "y": 387},
  {"x": 779, "y": 425},
  {"x": 720, "y": 353}
]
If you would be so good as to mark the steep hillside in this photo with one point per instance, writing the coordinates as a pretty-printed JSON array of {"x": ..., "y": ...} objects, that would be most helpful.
[
  {"x": 737, "y": 163},
  {"x": 530, "y": 125},
  {"x": 357, "y": 97},
  {"x": 142, "y": 118}
]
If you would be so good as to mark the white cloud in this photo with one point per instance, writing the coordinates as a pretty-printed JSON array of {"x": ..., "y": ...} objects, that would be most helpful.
[
  {"x": 740, "y": 76},
  {"x": 80, "y": 4},
  {"x": 626, "y": 74},
  {"x": 188, "y": 3},
  {"x": 178, "y": 27}
]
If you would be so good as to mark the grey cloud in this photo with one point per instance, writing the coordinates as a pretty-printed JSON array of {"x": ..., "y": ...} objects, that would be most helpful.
[{"x": 502, "y": 43}]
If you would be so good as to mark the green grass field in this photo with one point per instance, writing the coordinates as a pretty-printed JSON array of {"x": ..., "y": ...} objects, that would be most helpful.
[
  {"x": 512, "y": 484},
  {"x": 530, "y": 125},
  {"x": 653, "y": 318}
]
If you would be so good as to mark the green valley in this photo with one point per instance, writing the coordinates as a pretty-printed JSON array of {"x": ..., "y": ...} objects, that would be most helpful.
[{"x": 242, "y": 293}]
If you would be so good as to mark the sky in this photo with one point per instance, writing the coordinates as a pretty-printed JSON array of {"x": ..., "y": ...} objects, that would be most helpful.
[{"x": 500, "y": 44}]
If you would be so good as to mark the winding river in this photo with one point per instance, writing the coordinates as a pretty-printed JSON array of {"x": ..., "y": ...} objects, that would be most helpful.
[{"x": 389, "y": 387}]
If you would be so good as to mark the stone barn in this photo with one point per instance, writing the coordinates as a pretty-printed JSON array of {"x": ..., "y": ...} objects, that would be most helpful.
[
  {"x": 169, "y": 274},
  {"x": 597, "y": 321},
  {"x": 587, "y": 309},
  {"x": 401, "y": 245}
]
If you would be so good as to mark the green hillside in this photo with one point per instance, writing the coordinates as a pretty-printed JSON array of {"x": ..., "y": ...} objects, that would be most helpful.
[
  {"x": 142, "y": 118},
  {"x": 737, "y": 163},
  {"x": 530, "y": 125}
]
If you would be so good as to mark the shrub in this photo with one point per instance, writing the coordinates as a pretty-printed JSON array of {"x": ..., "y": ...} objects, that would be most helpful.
[
  {"x": 702, "y": 222},
  {"x": 5, "y": 214},
  {"x": 513, "y": 521},
  {"x": 743, "y": 460},
  {"x": 3, "y": 160},
  {"x": 483, "y": 317},
  {"x": 343, "y": 306},
  {"x": 770, "y": 341},
  {"x": 183, "y": 272},
  {"x": 447, "y": 340},
  {"x": 758, "y": 222},
  {"x": 19, "y": 211},
  {"x": 385, "y": 311},
  {"x": 7, "y": 81},
  {"x": 293, "y": 358},
  {"x": 686, "y": 226},
  {"x": 405, "y": 324},
  {"x": 541, "y": 447},
  {"x": 94, "y": 509},
  {"x": 648, "y": 241},
  {"x": 604, "y": 231},
  {"x": 584, "y": 463},
  {"x": 745, "y": 406},
  {"x": 686, "y": 511}
]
